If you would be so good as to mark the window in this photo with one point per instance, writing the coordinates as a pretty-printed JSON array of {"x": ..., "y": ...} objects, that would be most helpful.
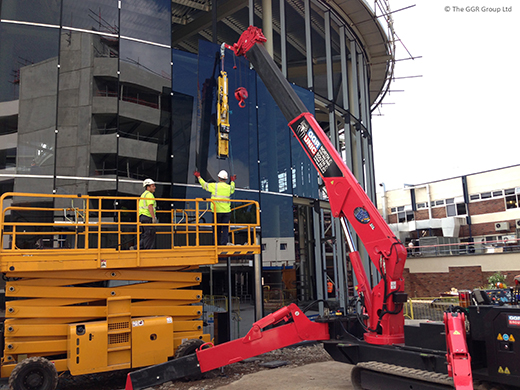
[
  {"x": 474, "y": 197},
  {"x": 282, "y": 182},
  {"x": 485, "y": 195},
  {"x": 421, "y": 205},
  {"x": 439, "y": 202},
  {"x": 512, "y": 202},
  {"x": 453, "y": 210},
  {"x": 497, "y": 194},
  {"x": 283, "y": 246},
  {"x": 405, "y": 216}
]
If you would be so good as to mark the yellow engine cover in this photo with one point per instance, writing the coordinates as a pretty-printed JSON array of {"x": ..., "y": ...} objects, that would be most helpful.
[
  {"x": 152, "y": 340},
  {"x": 88, "y": 344}
]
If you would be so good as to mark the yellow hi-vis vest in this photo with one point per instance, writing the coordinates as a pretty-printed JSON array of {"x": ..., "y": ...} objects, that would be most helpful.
[
  {"x": 144, "y": 203},
  {"x": 220, "y": 192}
]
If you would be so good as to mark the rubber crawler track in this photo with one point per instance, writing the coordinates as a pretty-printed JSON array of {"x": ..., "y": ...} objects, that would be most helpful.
[{"x": 421, "y": 375}]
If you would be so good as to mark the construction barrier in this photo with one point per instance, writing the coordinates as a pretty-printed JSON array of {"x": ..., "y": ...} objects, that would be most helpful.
[{"x": 429, "y": 308}]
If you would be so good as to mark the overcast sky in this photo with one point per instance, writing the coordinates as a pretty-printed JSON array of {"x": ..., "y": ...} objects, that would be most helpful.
[{"x": 461, "y": 116}]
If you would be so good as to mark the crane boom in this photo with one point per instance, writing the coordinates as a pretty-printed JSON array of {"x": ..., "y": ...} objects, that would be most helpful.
[{"x": 348, "y": 200}]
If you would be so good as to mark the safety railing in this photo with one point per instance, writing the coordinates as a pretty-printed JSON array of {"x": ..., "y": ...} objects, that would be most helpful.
[
  {"x": 428, "y": 308},
  {"x": 219, "y": 303},
  {"x": 465, "y": 248},
  {"x": 75, "y": 222},
  {"x": 275, "y": 298}
]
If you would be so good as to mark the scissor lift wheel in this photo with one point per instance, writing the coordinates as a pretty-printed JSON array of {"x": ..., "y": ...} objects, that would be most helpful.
[
  {"x": 187, "y": 348},
  {"x": 34, "y": 373}
]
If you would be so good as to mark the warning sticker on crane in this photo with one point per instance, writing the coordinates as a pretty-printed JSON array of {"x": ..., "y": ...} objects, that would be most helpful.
[
  {"x": 361, "y": 214},
  {"x": 315, "y": 148},
  {"x": 513, "y": 320}
]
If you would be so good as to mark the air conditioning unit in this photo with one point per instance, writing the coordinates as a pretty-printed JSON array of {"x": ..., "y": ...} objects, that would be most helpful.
[
  {"x": 501, "y": 226},
  {"x": 509, "y": 239},
  {"x": 517, "y": 223}
]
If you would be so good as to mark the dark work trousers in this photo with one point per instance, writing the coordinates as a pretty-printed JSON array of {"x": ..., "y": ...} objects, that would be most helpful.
[
  {"x": 148, "y": 234},
  {"x": 223, "y": 230}
]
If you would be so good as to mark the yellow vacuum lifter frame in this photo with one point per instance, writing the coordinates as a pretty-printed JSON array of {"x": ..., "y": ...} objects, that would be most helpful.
[{"x": 222, "y": 116}]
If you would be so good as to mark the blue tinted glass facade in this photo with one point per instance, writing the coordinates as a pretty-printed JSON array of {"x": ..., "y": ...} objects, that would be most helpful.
[
  {"x": 45, "y": 11},
  {"x": 100, "y": 16},
  {"x": 146, "y": 21}
]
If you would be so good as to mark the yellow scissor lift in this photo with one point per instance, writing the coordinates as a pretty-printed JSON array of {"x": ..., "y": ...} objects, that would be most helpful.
[{"x": 79, "y": 297}]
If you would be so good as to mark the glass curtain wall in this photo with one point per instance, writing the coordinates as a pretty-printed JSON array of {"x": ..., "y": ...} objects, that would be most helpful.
[{"x": 86, "y": 89}]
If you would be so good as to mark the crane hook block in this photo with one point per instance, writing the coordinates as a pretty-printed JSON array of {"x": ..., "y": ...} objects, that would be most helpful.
[{"x": 241, "y": 95}]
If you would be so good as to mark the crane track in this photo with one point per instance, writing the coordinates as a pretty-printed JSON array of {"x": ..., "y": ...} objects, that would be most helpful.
[
  {"x": 419, "y": 375},
  {"x": 406, "y": 372}
]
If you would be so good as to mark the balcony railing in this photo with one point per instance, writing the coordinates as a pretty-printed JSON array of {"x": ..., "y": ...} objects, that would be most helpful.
[
  {"x": 464, "y": 248},
  {"x": 135, "y": 98}
]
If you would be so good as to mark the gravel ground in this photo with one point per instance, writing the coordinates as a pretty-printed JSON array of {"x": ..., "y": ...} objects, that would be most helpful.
[{"x": 292, "y": 356}]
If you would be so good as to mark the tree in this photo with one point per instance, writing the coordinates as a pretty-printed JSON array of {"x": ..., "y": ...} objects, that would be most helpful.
[{"x": 497, "y": 280}]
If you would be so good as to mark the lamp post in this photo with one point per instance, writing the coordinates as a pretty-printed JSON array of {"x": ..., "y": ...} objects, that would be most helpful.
[{"x": 384, "y": 202}]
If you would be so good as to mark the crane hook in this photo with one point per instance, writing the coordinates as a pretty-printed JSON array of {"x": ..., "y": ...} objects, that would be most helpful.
[{"x": 241, "y": 95}]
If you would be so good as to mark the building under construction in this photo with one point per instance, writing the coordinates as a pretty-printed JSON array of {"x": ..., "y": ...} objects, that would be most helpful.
[{"x": 96, "y": 96}]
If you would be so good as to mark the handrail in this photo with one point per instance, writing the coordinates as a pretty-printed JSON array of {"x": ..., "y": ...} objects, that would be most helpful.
[
  {"x": 35, "y": 221},
  {"x": 464, "y": 248}
]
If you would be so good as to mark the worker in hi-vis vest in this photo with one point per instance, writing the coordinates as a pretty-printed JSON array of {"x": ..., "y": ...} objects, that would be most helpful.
[
  {"x": 147, "y": 215},
  {"x": 221, "y": 193}
]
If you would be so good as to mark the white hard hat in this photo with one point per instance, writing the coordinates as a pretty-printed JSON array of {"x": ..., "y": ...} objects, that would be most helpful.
[
  {"x": 148, "y": 182},
  {"x": 223, "y": 175}
]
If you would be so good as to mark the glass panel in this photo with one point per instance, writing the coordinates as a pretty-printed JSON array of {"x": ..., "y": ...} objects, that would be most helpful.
[
  {"x": 274, "y": 143},
  {"x": 511, "y": 202},
  {"x": 184, "y": 77},
  {"x": 44, "y": 11},
  {"x": 461, "y": 209},
  {"x": 451, "y": 210},
  {"x": 96, "y": 15},
  {"x": 304, "y": 174},
  {"x": 277, "y": 215},
  {"x": 242, "y": 159},
  {"x": 147, "y": 20},
  {"x": 296, "y": 62},
  {"x": 184, "y": 122},
  {"x": 28, "y": 68},
  {"x": 337, "y": 75},
  {"x": 87, "y": 112},
  {"x": 144, "y": 143},
  {"x": 318, "y": 51},
  {"x": 20, "y": 47}
]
